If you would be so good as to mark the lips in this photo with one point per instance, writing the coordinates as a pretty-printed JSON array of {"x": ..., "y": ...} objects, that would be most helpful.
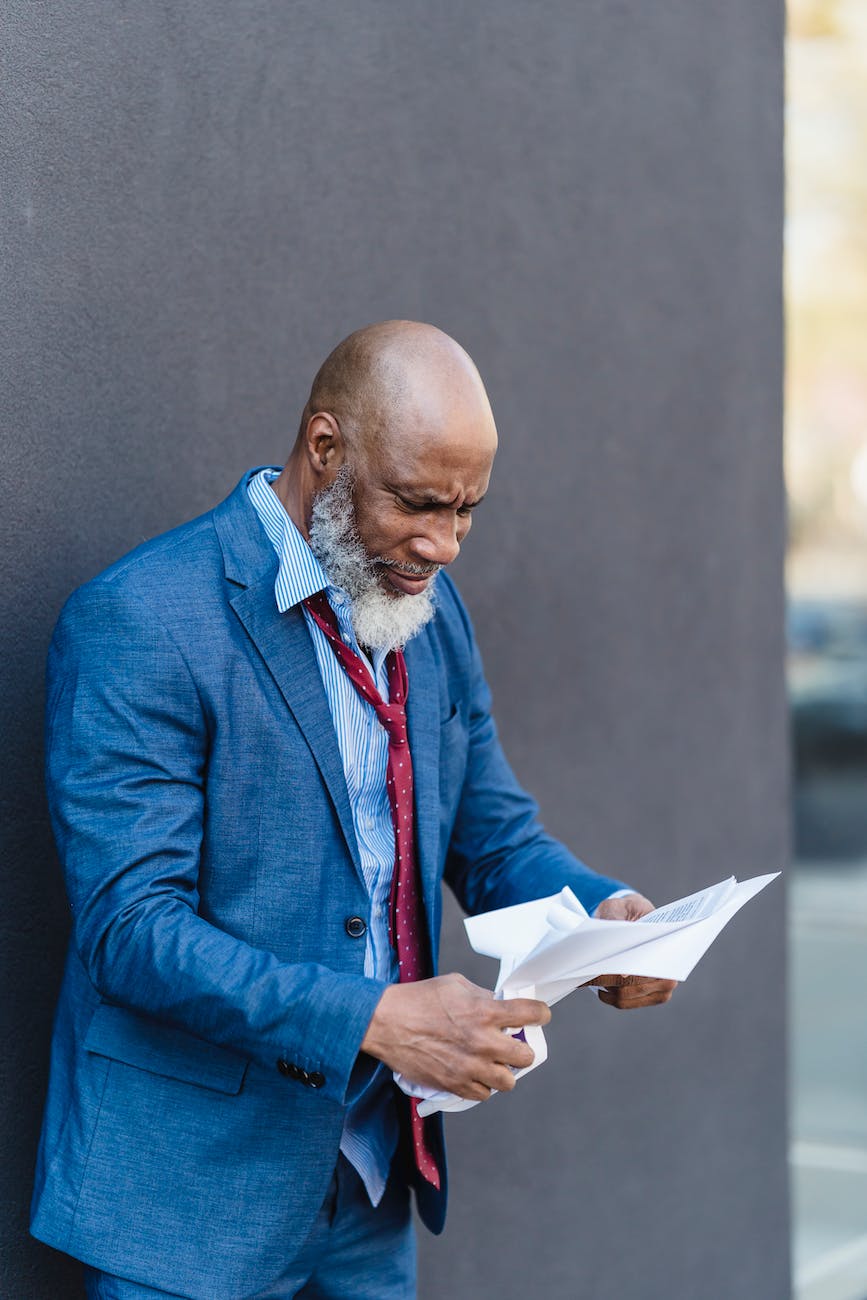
[{"x": 409, "y": 584}]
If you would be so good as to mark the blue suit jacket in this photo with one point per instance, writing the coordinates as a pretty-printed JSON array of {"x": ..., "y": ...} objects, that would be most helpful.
[{"x": 204, "y": 827}]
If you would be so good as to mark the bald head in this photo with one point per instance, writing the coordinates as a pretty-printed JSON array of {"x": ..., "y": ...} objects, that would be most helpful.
[
  {"x": 384, "y": 381},
  {"x": 399, "y": 423}
]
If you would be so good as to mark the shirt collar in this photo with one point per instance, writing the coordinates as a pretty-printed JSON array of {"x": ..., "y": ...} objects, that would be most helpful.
[{"x": 299, "y": 573}]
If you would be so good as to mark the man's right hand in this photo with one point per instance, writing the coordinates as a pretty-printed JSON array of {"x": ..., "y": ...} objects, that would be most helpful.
[{"x": 448, "y": 1034}]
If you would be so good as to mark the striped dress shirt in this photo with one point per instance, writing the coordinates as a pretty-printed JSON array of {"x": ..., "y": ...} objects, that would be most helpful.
[{"x": 370, "y": 1130}]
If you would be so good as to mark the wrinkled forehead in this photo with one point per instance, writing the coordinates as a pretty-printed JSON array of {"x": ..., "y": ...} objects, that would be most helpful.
[{"x": 435, "y": 471}]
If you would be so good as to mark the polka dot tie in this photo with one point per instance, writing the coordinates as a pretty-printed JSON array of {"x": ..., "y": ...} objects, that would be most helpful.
[{"x": 406, "y": 911}]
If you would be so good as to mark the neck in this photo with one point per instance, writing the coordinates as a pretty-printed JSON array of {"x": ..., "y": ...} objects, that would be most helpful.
[{"x": 295, "y": 493}]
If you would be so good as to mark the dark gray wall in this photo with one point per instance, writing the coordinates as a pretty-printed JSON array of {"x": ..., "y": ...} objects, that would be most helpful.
[{"x": 199, "y": 200}]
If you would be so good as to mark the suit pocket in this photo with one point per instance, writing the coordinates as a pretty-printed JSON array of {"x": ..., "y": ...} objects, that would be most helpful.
[
  {"x": 453, "y": 756},
  {"x": 147, "y": 1044},
  {"x": 452, "y": 724}
]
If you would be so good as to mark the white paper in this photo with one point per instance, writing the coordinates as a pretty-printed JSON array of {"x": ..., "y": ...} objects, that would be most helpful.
[{"x": 549, "y": 947}]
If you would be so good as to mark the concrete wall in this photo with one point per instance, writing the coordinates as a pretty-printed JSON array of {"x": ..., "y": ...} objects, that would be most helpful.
[{"x": 199, "y": 200}]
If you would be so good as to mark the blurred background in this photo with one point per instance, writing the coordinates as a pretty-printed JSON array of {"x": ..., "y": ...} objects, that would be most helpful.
[{"x": 826, "y": 470}]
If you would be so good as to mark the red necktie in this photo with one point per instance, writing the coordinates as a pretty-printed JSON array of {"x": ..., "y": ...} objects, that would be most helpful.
[{"x": 406, "y": 911}]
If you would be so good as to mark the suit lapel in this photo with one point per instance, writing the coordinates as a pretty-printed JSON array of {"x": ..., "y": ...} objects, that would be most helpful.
[
  {"x": 283, "y": 641},
  {"x": 424, "y": 739}
]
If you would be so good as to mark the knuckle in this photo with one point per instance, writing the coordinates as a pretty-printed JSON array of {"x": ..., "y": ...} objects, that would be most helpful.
[{"x": 481, "y": 1034}]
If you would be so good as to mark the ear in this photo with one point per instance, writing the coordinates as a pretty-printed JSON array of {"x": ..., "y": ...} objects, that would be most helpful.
[{"x": 324, "y": 445}]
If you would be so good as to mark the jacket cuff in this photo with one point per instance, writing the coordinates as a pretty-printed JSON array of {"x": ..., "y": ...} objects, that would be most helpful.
[{"x": 325, "y": 1033}]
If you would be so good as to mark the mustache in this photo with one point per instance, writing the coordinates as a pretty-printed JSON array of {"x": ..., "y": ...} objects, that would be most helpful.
[{"x": 411, "y": 570}]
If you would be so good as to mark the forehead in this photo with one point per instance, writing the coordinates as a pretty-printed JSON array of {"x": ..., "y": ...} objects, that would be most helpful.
[
  {"x": 437, "y": 435},
  {"x": 435, "y": 469}
]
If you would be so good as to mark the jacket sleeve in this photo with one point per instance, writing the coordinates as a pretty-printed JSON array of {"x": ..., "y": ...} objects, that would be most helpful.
[
  {"x": 499, "y": 853},
  {"x": 126, "y": 753}
]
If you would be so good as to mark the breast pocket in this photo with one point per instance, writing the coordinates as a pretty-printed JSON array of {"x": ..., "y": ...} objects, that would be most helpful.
[
  {"x": 454, "y": 744},
  {"x": 147, "y": 1044}
]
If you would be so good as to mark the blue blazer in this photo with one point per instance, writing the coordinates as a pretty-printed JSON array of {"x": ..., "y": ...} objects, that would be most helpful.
[{"x": 203, "y": 823}]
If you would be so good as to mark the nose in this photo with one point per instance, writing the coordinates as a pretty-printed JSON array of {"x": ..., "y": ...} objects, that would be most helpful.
[{"x": 440, "y": 543}]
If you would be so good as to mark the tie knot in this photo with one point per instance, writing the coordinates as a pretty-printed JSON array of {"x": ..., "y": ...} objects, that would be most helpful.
[{"x": 393, "y": 718}]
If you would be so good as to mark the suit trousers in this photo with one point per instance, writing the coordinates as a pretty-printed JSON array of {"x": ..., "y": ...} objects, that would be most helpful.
[{"x": 355, "y": 1251}]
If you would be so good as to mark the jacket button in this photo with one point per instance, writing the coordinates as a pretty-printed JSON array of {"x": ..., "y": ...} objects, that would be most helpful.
[
  {"x": 315, "y": 1080},
  {"x": 355, "y": 927},
  {"x": 285, "y": 1068}
]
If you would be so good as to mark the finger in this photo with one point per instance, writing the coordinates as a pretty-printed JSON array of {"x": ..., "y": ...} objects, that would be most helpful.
[
  {"x": 512, "y": 1051},
  {"x": 634, "y": 992},
  {"x": 624, "y": 982},
  {"x": 475, "y": 1090},
  {"x": 488, "y": 1078},
  {"x": 516, "y": 1012},
  {"x": 646, "y": 988},
  {"x": 497, "y": 1047},
  {"x": 627, "y": 1000},
  {"x": 613, "y": 998},
  {"x": 629, "y": 908},
  {"x": 608, "y": 981},
  {"x": 498, "y": 1078},
  {"x": 504, "y": 1080}
]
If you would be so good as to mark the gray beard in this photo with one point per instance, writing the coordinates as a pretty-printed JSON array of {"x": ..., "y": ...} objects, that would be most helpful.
[{"x": 381, "y": 621}]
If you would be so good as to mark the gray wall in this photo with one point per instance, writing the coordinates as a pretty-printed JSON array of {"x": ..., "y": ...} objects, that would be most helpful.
[{"x": 199, "y": 200}]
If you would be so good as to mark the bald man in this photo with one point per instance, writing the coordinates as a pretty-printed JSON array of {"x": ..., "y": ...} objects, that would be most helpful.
[{"x": 269, "y": 741}]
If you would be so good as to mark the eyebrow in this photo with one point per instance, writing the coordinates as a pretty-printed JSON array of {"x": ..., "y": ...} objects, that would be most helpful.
[{"x": 431, "y": 499}]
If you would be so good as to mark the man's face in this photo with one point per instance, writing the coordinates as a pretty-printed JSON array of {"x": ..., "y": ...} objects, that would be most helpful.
[
  {"x": 413, "y": 507},
  {"x": 392, "y": 518}
]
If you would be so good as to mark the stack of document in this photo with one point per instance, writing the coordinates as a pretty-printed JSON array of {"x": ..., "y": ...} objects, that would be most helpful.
[{"x": 549, "y": 947}]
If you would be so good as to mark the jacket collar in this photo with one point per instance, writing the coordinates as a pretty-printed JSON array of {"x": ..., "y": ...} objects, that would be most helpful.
[{"x": 247, "y": 553}]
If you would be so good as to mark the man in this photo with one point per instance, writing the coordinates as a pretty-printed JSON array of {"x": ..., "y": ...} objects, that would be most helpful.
[{"x": 269, "y": 740}]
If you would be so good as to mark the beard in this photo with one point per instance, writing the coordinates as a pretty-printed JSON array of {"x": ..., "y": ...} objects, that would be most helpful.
[{"x": 381, "y": 620}]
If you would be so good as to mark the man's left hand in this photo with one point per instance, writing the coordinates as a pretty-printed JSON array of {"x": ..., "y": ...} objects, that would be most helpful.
[{"x": 628, "y": 991}]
